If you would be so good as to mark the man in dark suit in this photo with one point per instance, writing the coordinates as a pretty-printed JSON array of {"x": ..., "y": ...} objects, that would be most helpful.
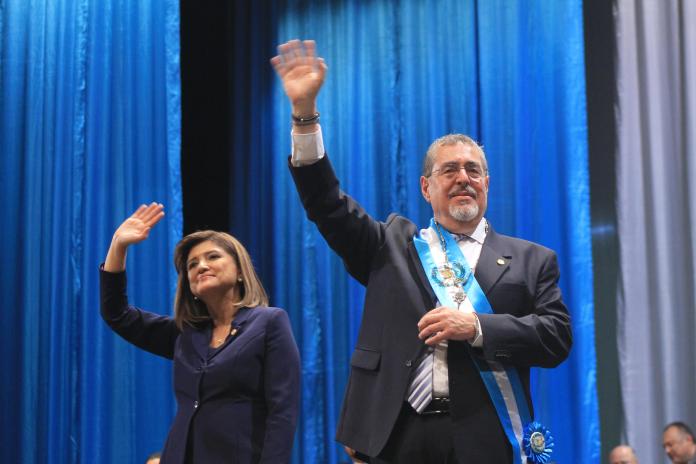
[{"x": 440, "y": 372}]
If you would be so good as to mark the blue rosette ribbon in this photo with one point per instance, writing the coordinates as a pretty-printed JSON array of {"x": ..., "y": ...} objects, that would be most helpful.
[{"x": 537, "y": 443}]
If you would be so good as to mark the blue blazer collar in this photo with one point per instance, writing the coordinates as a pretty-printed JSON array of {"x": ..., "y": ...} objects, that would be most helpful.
[{"x": 200, "y": 338}]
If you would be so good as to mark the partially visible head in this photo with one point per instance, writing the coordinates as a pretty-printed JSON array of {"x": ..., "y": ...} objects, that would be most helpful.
[
  {"x": 188, "y": 309},
  {"x": 678, "y": 442},
  {"x": 622, "y": 454},
  {"x": 154, "y": 458},
  {"x": 455, "y": 181}
]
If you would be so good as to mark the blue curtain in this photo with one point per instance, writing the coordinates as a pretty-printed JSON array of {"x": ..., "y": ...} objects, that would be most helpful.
[
  {"x": 89, "y": 129},
  {"x": 401, "y": 73}
]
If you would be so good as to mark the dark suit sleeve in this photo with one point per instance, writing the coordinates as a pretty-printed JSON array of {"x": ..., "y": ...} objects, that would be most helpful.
[
  {"x": 151, "y": 332},
  {"x": 540, "y": 337},
  {"x": 282, "y": 389},
  {"x": 352, "y": 233}
]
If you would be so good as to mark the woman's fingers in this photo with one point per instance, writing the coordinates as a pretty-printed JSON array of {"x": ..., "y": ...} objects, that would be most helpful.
[
  {"x": 147, "y": 215},
  {"x": 155, "y": 219},
  {"x": 152, "y": 214},
  {"x": 139, "y": 212}
]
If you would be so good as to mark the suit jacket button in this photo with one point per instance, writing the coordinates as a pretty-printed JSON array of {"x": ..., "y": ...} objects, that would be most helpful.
[
  {"x": 408, "y": 363},
  {"x": 195, "y": 404}
]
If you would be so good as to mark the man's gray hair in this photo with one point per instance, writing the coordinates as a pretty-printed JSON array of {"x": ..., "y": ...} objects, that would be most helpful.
[{"x": 446, "y": 140}]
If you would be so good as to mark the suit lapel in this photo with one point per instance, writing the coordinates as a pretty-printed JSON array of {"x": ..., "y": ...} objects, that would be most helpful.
[
  {"x": 423, "y": 284},
  {"x": 200, "y": 339},
  {"x": 493, "y": 263},
  {"x": 417, "y": 269},
  {"x": 240, "y": 320}
]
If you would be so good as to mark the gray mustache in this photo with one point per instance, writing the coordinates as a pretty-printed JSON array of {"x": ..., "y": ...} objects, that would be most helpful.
[{"x": 466, "y": 189}]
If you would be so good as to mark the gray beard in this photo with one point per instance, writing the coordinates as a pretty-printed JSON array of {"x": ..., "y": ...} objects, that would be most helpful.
[{"x": 464, "y": 213}]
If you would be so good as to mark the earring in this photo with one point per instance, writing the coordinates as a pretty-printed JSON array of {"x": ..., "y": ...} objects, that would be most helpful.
[
  {"x": 239, "y": 279},
  {"x": 195, "y": 298}
]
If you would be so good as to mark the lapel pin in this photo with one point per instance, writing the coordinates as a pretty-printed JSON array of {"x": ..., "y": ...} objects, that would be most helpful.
[{"x": 500, "y": 261}]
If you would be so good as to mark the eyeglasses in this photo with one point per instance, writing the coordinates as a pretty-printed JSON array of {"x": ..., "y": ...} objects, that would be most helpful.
[{"x": 450, "y": 170}]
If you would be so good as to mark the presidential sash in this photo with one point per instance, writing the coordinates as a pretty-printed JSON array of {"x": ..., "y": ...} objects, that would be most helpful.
[{"x": 453, "y": 282}]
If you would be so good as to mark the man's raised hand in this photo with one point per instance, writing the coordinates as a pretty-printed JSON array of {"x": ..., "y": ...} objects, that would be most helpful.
[{"x": 302, "y": 74}]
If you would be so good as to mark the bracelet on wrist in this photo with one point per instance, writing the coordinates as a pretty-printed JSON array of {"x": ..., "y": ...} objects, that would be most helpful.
[{"x": 305, "y": 120}]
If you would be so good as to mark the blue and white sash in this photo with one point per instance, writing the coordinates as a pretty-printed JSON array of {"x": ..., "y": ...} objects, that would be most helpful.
[{"x": 502, "y": 382}]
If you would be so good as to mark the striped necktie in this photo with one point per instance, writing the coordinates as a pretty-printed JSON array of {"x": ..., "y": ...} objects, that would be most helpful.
[{"x": 420, "y": 392}]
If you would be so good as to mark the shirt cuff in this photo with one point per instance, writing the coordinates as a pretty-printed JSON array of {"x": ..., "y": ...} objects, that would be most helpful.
[
  {"x": 307, "y": 148},
  {"x": 477, "y": 342}
]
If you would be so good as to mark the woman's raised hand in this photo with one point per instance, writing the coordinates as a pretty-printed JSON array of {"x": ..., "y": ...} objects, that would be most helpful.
[{"x": 135, "y": 229}]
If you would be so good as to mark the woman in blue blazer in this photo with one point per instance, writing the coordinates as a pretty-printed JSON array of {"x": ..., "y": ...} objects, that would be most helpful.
[{"x": 236, "y": 364}]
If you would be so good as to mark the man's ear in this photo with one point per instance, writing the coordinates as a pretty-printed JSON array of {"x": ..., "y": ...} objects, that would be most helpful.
[{"x": 424, "y": 184}]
